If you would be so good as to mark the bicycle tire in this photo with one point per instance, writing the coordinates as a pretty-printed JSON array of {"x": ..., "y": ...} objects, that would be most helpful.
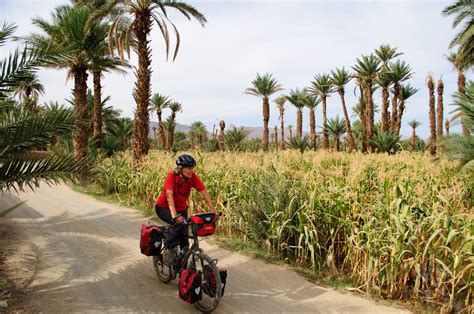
[
  {"x": 211, "y": 296},
  {"x": 162, "y": 271}
]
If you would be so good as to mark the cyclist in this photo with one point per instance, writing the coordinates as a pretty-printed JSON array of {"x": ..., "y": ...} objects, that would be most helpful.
[{"x": 172, "y": 205}]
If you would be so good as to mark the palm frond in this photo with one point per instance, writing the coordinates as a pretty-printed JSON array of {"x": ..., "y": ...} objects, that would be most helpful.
[
  {"x": 301, "y": 144},
  {"x": 20, "y": 131},
  {"x": 6, "y": 31},
  {"x": 29, "y": 170}
]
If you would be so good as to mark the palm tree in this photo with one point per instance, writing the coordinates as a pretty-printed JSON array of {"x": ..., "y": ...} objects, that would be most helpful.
[
  {"x": 385, "y": 142},
  {"x": 221, "y": 135},
  {"x": 321, "y": 86},
  {"x": 299, "y": 143},
  {"x": 311, "y": 102},
  {"x": 198, "y": 131},
  {"x": 157, "y": 104},
  {"x": 174, "y": 107},
  {"x": 439, "y": 110},
  {"x": 360, "y": 111},
  {"x": 101, "y": 62},
  {"x": 234, "y": 138},
  {"x": 109, "y": 115},
  {"x": 264, "y": 86},
  {"x": 446, "y": 125},
  {"x": 366, "y": 69},
  {"x": 29, "y": 87},
  {"x": 458, "y": 65},
  {"x": 142, "y": 14},
  {"x": 399, "y": 72},
  {"x": 461, "y": 147},
  {"x": 118, "y": 136},
  {"x": 69, "y": 32},
  {"x": 337, "y": 128},
  {"x": 385, "y": 53},
  {"x": 384, "y": 81},
  {"x": 406, "y": 91},
  {"x": 414, "y": 124},
  {"x": 430, "y": 83},
  {"x": 296, "y": 98},
  {"x": 463, "y": 11},
  {"x": 280, "y": 102},
  {"x": 340, "y": 78},
  {"x": 290, "y": 130}
]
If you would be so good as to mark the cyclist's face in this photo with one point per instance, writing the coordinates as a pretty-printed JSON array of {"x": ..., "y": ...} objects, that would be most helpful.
[{"x": 187, "y": 172}]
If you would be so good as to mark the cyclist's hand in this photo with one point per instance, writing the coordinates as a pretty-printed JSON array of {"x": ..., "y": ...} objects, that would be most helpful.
[{"x": 178, "y": 219}]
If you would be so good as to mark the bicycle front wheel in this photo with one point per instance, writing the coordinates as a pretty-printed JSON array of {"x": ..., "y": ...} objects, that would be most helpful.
[{"x": 211, "y": 282}]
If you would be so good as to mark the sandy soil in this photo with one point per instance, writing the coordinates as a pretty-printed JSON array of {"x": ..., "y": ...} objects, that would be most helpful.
[{"x": 67, "y": 252}]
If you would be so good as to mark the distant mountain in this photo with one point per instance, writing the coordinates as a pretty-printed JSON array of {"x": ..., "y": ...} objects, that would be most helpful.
[{"x": 255, "y": 132}]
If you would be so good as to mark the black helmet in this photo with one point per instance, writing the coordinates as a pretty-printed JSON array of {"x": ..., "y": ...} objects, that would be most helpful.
[{"x": 185, "y": 161}]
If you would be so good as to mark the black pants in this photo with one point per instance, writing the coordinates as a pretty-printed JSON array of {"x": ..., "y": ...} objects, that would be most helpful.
[{"x": 179, "y": 232}]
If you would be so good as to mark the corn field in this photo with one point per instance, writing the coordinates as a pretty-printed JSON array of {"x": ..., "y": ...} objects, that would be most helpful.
[{"x": 401, "y": 227}]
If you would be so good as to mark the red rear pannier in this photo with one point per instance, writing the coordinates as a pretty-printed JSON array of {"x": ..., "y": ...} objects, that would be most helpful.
[
  {"x": 190, "y": 285},
  {"x": 150, "y": 240},
  {"x": 204, "y": 224}
]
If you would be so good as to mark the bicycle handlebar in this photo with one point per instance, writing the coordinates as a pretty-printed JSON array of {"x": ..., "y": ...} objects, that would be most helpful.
[{"x": 186, "y": 221}]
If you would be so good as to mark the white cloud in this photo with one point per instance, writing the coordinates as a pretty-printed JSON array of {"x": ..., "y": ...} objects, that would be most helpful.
[{"x": 294, "y": 40}]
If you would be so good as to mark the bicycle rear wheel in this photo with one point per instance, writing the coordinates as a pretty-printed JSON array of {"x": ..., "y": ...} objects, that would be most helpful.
[
  {"x": 211, "y": 282},
  {"x": 163, "y": 266}
]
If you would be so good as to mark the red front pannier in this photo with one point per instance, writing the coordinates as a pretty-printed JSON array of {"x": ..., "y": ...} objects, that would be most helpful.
[
  {"x": 204, "y": 224},
  {"x": 150, "y": 239},
  {"x": 190, "y": 285}
]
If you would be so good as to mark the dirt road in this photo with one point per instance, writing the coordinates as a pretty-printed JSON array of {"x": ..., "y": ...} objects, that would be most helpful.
[{"x": 88, "y": 260}]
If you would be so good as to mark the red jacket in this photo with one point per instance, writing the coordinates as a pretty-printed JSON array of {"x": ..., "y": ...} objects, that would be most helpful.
[{"x": 181, "y": 190}]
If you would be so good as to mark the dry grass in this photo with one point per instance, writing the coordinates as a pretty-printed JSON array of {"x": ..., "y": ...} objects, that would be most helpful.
[{"x": 400, "y": 226}]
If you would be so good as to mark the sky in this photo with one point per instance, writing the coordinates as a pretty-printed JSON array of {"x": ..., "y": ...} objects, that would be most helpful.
[{"x": 293, "y": 40}]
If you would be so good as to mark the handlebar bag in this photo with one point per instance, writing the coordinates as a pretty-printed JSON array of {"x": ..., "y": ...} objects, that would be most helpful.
[
  {"x": 150, "y": 240},
  {"x": 204, "y": 224},
  {"x": 190, "y": 289}
]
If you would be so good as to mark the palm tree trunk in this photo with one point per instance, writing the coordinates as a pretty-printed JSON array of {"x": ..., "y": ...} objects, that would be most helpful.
[
  {"x": 439, "y": 110},
  {"x": 362, "y": 119},
  {"x": 312, "y": 128},
  {"x": 369, "y": 113},
  {"x": 325, "y": 130},
  {"x": 276, "y": 137},
  {"x": 396, "y": 93},
  {"x": 432, "y": 116},
  {"x": 446, "y": 125},
  {"x": 82, "y": 123},
  {"x": 401, "y": 109},
  {"x": 299, "y": 123},
  {"x": 461, "y": 87},
  {"x": 336, "y": 143},
  {"x": 97, "y": 118},
  {"x": 282, "y": 129},
  {"x": 221, "y": 135},
  {"x": 385, "y": 113},
  {"x": 161, "y": 130},
  {"x": 171, "y": 133},
  {"x": 266, "y": 117},
  {"x": 352, "y": 145},
  {"x": 291, "y": 132},
  {"x": 142, "y": 93},
  {"x": 413, "y": 136}
]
